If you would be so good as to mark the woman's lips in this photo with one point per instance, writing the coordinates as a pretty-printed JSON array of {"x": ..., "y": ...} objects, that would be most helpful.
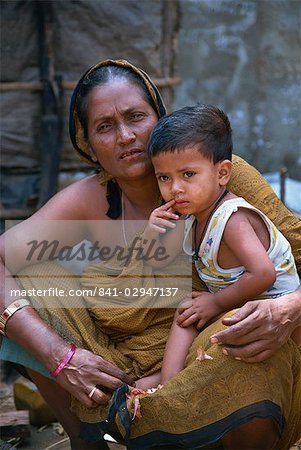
[{"x": 130, "y": 154}]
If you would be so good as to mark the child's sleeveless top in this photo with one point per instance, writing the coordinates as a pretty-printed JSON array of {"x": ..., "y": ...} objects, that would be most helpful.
[{"x": 217, "y": 278}]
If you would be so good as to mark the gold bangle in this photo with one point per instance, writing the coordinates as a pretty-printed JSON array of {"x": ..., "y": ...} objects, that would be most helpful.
[{"x": 10, "y": 310}]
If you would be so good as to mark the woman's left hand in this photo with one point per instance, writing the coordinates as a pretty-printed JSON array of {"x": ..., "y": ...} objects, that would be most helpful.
[
  {"x": 260, "y": 327},
  {"x": 87, "y": 371}
]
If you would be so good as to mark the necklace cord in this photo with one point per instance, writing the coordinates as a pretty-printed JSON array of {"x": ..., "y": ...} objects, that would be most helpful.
[
  {"x": 123, "y": 220},
  {"x": 195, "y": 255},
  {"x": 158, "y": 202}
]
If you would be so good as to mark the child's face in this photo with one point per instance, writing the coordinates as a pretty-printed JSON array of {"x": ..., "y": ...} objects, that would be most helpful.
[{"x": 192, "y": 180}]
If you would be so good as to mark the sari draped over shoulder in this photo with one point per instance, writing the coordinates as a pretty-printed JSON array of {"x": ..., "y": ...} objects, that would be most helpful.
[
  {"x": 201, "y": 403},
  {"x": 248, "y": 183}
]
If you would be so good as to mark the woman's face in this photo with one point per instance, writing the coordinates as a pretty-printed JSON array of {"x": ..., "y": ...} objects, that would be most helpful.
[{"x": 120, "y": 121}]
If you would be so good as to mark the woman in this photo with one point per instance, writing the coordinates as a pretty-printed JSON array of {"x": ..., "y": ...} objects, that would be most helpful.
[{"x": 113, "y": 110}]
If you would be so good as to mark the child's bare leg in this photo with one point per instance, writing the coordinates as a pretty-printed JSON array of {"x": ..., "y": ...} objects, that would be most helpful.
[
  {"x": 149, "y": 382},
  {"x": 176, "y": 350}
]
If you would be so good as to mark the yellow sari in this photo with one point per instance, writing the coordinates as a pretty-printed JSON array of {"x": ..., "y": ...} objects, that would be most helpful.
[{"x": 208, "y": 397}]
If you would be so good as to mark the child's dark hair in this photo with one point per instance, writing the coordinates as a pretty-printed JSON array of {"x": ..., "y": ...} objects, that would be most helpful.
[{"x": 203, "y": 125}]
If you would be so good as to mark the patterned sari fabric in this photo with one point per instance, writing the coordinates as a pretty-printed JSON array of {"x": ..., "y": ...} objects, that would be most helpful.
[
  {"x": 200, "y": 404},
  {"x": 248, "y": 183},
  {"x": 208, "y": 397}
]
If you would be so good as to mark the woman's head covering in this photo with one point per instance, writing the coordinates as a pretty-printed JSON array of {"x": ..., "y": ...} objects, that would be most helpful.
[
  {"x": 77, "y": 133},
  {"x": 76, "y": 130}
]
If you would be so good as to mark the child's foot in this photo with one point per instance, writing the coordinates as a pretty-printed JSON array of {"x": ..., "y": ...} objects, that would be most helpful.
[{"x": 149, "y": 382}]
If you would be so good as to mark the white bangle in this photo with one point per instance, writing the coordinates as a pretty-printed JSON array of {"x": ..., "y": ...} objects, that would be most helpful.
[{"x": 10, "y": 310}]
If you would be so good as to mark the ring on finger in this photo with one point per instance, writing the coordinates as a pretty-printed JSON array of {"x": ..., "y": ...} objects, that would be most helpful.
[{"x": 90, "y": 395}]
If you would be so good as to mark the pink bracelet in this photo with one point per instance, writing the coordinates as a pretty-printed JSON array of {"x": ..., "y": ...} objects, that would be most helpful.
[{"x": 64, "y": 362}]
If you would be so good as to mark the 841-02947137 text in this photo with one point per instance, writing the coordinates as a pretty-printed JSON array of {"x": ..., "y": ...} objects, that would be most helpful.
[{"x": 137, "y": 292}]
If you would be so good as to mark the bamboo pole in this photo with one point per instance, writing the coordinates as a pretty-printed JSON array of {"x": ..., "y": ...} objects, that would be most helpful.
[
  {"x": 16, "y": 213},
  {"x": 70, "y": 85}
]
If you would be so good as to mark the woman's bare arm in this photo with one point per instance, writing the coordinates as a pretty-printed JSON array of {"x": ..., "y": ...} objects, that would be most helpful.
[{"x": 25, "y": 327}]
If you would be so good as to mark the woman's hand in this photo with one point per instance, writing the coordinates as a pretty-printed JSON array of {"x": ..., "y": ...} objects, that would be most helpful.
[
  {"x": 85, "y": 371},
  {"x": 258, "y": 329}
]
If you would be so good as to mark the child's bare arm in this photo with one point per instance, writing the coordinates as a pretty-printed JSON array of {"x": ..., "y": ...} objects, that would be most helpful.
[
  {"x": 156, "y": 235},
  {"x": 246, "y": 249},
  {"x": 240, "y": 238}
]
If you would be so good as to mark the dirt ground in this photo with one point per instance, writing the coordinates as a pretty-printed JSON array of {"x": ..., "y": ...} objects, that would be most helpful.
[{"x": 47, "y": 437}]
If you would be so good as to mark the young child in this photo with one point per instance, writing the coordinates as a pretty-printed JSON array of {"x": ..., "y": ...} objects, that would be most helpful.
[{"x": 237, "y": 250}]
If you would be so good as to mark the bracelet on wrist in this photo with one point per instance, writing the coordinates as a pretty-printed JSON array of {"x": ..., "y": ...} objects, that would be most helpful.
[
  {"x": 67, "y": 358},
  {"x": 10, "y": 310}
]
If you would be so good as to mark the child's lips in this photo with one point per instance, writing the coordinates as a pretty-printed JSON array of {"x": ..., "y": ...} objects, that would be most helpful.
[{"x": 181, "y": 203}]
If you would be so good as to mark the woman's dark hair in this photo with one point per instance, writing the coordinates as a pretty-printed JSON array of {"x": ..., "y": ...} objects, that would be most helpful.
[
  {"x": 97, "y": 75},
  {"x": 103, "y": 75},
  {"x": 206, "y": 126}
]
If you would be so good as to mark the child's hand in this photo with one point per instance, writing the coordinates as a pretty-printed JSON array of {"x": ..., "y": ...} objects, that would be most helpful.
[
  {"x": 199, "y": 310},
  {"x": 159, "y": 220}
]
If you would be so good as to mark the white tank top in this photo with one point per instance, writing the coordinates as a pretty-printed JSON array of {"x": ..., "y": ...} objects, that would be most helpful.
[{"x": 217, "y": 278}]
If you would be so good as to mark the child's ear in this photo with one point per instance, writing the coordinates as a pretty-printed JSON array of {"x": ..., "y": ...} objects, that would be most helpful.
[{"x": 224, "y": 172}]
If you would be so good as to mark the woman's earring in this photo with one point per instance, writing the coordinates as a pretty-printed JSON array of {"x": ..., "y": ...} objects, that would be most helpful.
[{"x": 92, "y": 155}]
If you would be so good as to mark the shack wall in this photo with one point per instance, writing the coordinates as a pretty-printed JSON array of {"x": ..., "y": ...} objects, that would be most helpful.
[{"x": 245, "y": 57}]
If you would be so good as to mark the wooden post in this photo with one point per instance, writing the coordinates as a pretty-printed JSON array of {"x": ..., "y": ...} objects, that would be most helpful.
[
  {"x": 283, "y": 175},
  {"x": 51, "y": 120},
  {"x": 170, "y": 25}
]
